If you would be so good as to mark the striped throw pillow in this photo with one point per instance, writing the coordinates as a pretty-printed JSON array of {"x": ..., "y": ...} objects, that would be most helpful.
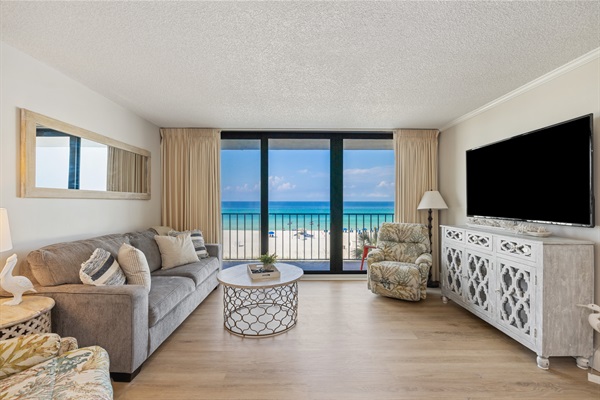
[
  {"x": 101, "y": 270},
  {"x": 134, "y": 264},
  {"x": 197, "y": 240}
]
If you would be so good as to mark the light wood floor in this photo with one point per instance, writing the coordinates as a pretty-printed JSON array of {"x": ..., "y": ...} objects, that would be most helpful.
[{"x": 351, "y": 344}]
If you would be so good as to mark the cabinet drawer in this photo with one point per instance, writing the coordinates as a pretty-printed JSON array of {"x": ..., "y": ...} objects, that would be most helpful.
[
  {"x": 454, "y": 235},
  {"x": 517, "y": 248},
  {"x": 480, "y": 240}
]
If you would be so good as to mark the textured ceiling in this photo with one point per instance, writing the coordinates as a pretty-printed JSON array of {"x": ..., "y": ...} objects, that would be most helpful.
[{"x": 303, "y": 65}]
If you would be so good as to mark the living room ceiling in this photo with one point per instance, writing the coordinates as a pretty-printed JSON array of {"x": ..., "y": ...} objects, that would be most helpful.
[{"x": 303, "y": 65}]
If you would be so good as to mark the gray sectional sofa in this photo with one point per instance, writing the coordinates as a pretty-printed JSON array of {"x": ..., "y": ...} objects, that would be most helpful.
[{"x": 128, "y": 321}]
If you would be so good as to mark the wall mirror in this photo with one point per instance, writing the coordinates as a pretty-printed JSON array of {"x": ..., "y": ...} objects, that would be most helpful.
[{"x": 62, "y": 160}]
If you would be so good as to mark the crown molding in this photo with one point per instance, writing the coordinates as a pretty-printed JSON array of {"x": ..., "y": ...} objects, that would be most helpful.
[{"x": 576, "y": 63}]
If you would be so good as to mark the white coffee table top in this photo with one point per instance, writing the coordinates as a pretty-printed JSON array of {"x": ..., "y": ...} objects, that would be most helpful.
[{"x": 238, "y": 276}]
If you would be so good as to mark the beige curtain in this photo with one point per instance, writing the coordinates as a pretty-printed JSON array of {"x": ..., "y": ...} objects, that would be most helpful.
[
  {"x": 191, "y": 188},
  {"x": 416, "y": 153},
  {"x": 126, "y": 171}
]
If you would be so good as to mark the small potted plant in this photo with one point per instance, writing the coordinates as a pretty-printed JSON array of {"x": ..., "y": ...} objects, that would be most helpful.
[{"x": 268, "y": 259}]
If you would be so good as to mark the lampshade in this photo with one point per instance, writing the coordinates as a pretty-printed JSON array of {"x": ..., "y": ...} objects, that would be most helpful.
[
  {"x": 5, "y": 241},
  {"x": 432, "y": 200}
]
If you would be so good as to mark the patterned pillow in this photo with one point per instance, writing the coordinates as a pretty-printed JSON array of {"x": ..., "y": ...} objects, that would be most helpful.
[
  {"x": 176, "y": 251},
  {"x": 197, "y": 240},
  {"x": 134, "y": 265},
  {"x": 101, "y": 270}
]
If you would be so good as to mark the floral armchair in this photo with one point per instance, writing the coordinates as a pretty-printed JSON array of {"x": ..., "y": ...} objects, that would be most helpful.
[
  {"x": 46, "y": 366},
  {"x": 398, "y": 267}
]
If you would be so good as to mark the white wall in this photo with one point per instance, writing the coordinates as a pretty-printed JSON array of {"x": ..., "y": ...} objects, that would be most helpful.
[
  {"x": 34, "y": 222},
  {"x": 571, "y": 94}
]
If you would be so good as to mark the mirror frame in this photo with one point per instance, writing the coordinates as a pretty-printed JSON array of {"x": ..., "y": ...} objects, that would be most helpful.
[{"x": 29, "y": 122}]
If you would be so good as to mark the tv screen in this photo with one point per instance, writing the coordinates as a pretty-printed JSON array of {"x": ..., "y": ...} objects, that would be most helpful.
[{"x": 541, "y": 176}]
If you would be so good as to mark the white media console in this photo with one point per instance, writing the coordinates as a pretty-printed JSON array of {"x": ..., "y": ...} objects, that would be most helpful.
[{"x": 527, "y": 287}]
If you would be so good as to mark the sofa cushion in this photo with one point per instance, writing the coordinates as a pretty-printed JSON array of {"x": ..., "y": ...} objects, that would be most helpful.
[
  {"x": 197, "y": 271},
  {"x": 175, "y": 251},
  {"x": 166, "y": 293},
  {"x": 144, "y": 241},
  {"x": 59, "y": 263},
  {"x": 135, "y": 266}
]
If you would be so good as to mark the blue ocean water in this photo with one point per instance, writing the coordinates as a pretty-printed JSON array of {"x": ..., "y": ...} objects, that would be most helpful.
[{"x": 291, "y": 215}]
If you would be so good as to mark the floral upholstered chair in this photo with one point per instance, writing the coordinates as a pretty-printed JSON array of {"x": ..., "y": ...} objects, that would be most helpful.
[
  {"x": 46, "y": 366},
  {"x": 398, "y": 267}
]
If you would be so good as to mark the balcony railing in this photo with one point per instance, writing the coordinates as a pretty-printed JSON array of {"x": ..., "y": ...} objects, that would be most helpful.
[{"x": 298, "y": 236}]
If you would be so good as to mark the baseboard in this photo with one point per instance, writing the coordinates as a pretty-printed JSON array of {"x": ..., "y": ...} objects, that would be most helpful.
[{"x": 334, "y": 277}]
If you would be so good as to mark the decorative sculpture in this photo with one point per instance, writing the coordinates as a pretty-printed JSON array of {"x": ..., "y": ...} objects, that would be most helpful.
[{"x": 16, "y": 285}]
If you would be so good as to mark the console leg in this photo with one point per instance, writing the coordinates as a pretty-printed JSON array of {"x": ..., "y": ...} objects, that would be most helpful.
[
  {"x": 582, "y": 362},
  {"x": 543, "y": 362},
  {"x": 444, "y": 300}
]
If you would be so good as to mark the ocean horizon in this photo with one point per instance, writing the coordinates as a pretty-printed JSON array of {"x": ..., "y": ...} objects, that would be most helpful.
[{"x": 309, "y": 215}]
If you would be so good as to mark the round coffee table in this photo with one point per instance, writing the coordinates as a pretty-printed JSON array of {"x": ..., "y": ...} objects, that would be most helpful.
[{"x": 260, "y": 308}]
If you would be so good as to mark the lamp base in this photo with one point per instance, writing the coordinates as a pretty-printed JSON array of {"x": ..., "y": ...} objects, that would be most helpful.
[{"x": 433, "y": 284}]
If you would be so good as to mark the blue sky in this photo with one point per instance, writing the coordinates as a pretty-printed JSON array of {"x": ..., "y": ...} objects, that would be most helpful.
[{"x": 303, "y": 175}]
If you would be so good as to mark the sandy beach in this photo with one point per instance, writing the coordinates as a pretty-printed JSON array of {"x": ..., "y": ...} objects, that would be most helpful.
[{"x": 288, "y": 245}]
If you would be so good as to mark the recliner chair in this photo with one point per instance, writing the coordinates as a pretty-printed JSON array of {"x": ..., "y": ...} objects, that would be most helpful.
[{"x": 398, "y": 267}]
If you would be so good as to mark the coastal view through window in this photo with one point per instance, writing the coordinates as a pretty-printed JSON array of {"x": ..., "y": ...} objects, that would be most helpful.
[{"x": 299, "y": 182}]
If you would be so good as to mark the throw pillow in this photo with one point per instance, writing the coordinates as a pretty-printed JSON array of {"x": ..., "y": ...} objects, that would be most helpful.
[
  {"x": 101, "y": 269},
  {"x": 175, "y": 251},
  {"x": 134, "y": 265},
  {"x": 197, "y": 240}
]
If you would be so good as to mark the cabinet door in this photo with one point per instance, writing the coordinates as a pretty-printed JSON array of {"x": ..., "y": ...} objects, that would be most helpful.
[
  {"x": 478, "y": 272},
  {"x": 516, "y": 298},
  {"x": 452, "y": 284}
]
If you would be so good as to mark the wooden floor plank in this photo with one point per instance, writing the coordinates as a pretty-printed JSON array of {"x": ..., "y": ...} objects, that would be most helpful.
[{"x": 351, "y": 344}]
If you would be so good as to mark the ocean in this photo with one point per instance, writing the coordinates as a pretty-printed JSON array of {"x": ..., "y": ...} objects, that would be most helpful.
[{"x": 314, "y": 215}]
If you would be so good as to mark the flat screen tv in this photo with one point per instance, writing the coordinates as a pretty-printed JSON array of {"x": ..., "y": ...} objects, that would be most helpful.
[{"x": 543, "y": 176}]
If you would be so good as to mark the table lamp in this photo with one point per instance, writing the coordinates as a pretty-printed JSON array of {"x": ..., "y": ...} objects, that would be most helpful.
[
  {"x": 16, "y": 285},
  {"x": 432, "y": 200}
]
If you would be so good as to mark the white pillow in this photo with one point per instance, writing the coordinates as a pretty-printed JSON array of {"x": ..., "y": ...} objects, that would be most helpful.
[
  {"x": 134, "y": 265},
  {"x": 101, "y": 269},
  {"x": 197, "y": 240},
  {"x": 175, "y": 251}
]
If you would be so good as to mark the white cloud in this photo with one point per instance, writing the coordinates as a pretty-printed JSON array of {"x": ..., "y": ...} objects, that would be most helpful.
[
  {"x": 379, "y": 195},
  {"x": 245, "y": 188},
  {"x": 384, "y": 184},
  {"x": 303, "y": 171},
  {"x": 278, "y": 183},
  {"x": 357, "y": 171},
  {"x": 286, "y": 186}
]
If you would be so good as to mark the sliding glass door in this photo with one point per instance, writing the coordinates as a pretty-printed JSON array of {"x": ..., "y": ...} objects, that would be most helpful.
[
  {"x": 299, "y": 206},
  {"x": 313, "y": 198},
  {"x": 369, "y": 188}
]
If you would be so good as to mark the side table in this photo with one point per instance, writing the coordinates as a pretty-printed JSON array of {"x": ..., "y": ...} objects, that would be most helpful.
[{"x": 31, "y": 316}]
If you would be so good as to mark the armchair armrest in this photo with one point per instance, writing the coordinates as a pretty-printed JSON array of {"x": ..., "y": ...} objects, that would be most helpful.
[
  {"x": 112, "y": 317},
  {"x": 374, "y": 256},
  {"x": 424, "y": 258},
  {"x": 23, "y": 352}
]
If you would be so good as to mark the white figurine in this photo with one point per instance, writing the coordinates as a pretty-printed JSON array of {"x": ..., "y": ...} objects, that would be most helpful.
[
  {"x": 17, "y": 285},
  {"x": 593, "y": 319}
]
